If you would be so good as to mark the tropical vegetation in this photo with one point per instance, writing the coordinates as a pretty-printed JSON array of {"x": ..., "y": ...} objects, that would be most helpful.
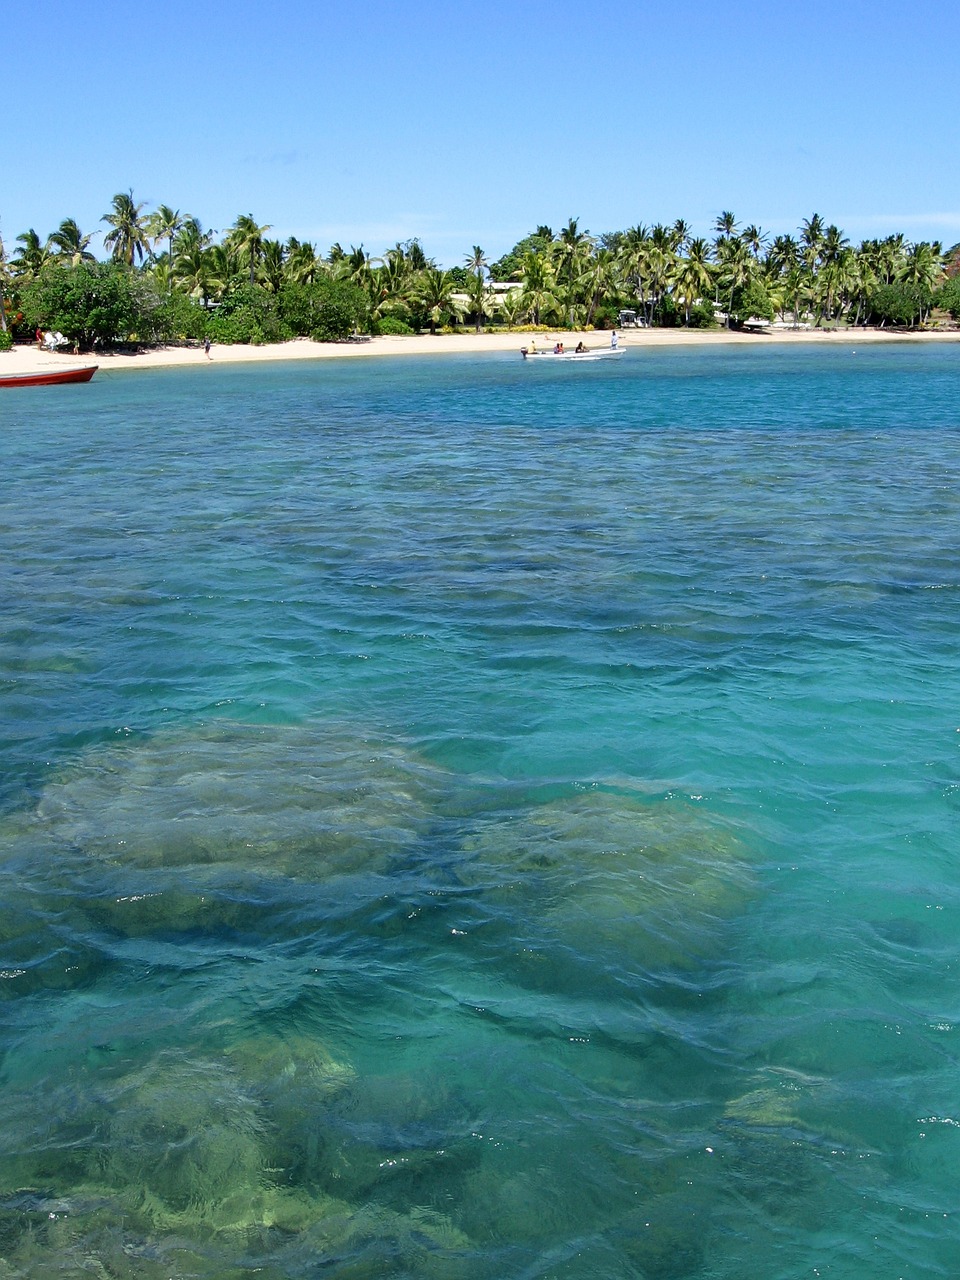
[{"x": 168, "y": 279}]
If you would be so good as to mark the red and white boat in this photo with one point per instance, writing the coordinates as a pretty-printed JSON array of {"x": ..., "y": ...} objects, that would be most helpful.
[{"x": 48, "y": 377}]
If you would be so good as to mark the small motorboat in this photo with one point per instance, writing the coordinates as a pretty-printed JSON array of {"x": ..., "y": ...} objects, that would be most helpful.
[
  {"x": 48, "y": 377},
  {"x": 595, "y": 353}
]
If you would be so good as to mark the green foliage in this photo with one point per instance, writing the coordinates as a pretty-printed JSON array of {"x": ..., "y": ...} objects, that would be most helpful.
[
  {"x": 248, "y": 313},
  {"x": 510, "y": 266},
  {"x": 177, "y": 318},
  {"x": 606, "y": 316},
  {"x": 93, "y": 302},
  {"x": 6, "y": 340},
  {"x": 900, "y": 303},
  {"x": 947, "y": 297},
  {"x": 666, "y": 314},
  {"x": 460, "y": 278},
  {"x": 391, "y": 324},
  {"x": 749, "y": 300},
  {"x": 701, "y": 315},
  {"x": 326, "y": 309}
]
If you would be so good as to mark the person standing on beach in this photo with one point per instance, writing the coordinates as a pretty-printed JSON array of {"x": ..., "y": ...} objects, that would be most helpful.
[
  {"x": 206, "y": 347},
  {"x": 613, "y": 340}
]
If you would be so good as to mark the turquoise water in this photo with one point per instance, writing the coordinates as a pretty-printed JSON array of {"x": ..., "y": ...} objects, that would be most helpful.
[{"x": 462, "y": 819}]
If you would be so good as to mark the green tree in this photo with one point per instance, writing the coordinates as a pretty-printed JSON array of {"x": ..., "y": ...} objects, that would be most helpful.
[
  {"x": 747, "y": 300},
  {"x": 163, "y": 224},
  {"x": 539, "y": 286},
  {"x": 437, "y": 294},
  {"x": 70, "y": 242},
  {"x": 92, "y": 303},
  {"x": 31, "y": 257},
  {"x": 127, "y": 238},
  {"x": 477, "y": 266},
  {"x": 246, "y": 237}
]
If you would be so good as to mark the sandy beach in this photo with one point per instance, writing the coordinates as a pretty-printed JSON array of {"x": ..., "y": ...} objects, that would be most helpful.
[{"x": 27, "y": 359}]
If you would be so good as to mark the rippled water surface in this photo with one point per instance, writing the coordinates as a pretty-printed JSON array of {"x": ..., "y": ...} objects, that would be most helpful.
[{"x": 462, "y": 819}]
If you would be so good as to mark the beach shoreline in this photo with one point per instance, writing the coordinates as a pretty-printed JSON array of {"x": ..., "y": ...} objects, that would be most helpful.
[{"x": 27, "y": 359}]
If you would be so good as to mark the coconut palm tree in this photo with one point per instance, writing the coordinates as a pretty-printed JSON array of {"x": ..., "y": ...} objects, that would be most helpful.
[
  {"x": 754, "y": 239},
  {"x": 273, "y": 265},
  {"x": 195, "y": 271},
  {"x": 632, "y": 261},
  {"x": 163, "y": 224},
  {"x": 476, "y": 263},
  {"x": 71, "y": 243},
  {"x": 246, "y": 238},
  {"x": 693, "y": 278},
  {"x": 726, "y": 224},
  {"x": 597, "y": 279},
  {"x": 540, "y": 291},
  {"x": 437, "y": 290},
  {"x": 302, "y": 263},
  {"x": 737, "y": 268},
  {"x": 923, "y": 268},
  {"x": 31, "y": 257},
  {"x": 128, "y": 239}
]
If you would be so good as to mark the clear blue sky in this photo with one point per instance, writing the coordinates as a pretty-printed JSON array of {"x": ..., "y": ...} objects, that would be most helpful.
[{"x": 470, "y": 123}]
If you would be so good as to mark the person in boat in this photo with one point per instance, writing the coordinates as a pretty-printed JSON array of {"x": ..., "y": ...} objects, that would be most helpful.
[
  {"x": 533, "y": 346},
  {"x": 580, "y": 348}
]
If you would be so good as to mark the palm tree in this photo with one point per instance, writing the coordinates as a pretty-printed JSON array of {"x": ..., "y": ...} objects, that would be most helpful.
[
  {"x": 272, "y": 264},
  {"x": 726, "y": 224},
  {"x": 246, "y": 237},
  {"x": 71, "y": 243},
  {"x": 539, "y": 285},
  {"x": 632, "y": 260},
  {"x": 572, "y": 252},
  {"x": 195, "y": 271},
  {"x": 680, "y": 234},
  {"x": 128, "y": 238},
  {"x": 476, "y": 264},
  {"x": 191, "y": 236},
  {"x": 31, "y": 257},
  {"x": 923, "y": 268},
  {"x": 597, "y": 279},
  {"x": 737, "y": 268},
  {"x": 693, "y": 278},
  {"x": 754, "y": 239},
  {"x": 163, "y": 224},
  {"x": 302, "y": 263},
  {"x": 437, "y": 291}
]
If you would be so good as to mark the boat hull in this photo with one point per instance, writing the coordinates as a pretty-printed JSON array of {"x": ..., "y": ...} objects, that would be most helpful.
[
  {"x": 49, "y": 377},
  {"x": 605, "y": 353}
]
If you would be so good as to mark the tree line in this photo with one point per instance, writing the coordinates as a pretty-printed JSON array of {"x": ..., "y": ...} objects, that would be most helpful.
[{"x": 168, "y": 279}]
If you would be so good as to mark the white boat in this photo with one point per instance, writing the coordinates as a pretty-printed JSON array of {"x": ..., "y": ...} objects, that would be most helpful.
[{"x": 594, "y": 353}]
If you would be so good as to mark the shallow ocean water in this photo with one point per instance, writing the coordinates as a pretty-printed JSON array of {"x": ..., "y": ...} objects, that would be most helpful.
[{"x": 463, "y": 819}]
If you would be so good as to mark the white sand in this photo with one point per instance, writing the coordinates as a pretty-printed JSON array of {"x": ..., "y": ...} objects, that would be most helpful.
[{"x": 23, "y": 359}]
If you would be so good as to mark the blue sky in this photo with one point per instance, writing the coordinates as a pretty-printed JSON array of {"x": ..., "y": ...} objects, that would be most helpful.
[{"x": 470, "y": 123}]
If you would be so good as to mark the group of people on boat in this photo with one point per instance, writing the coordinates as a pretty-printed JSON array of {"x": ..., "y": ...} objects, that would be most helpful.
[{"x": 579, "y": 350}]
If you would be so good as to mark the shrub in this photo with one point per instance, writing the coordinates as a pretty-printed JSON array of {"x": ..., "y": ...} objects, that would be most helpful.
[
  {"x": 665, "y": 314},
  {"x": 391, "y": 325},
  {"x": 177, "y": 318},
  {"x": 702, "y": 316},
  {"x": 247, "y": 313},
  {"x": 6, "y": 340}
]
